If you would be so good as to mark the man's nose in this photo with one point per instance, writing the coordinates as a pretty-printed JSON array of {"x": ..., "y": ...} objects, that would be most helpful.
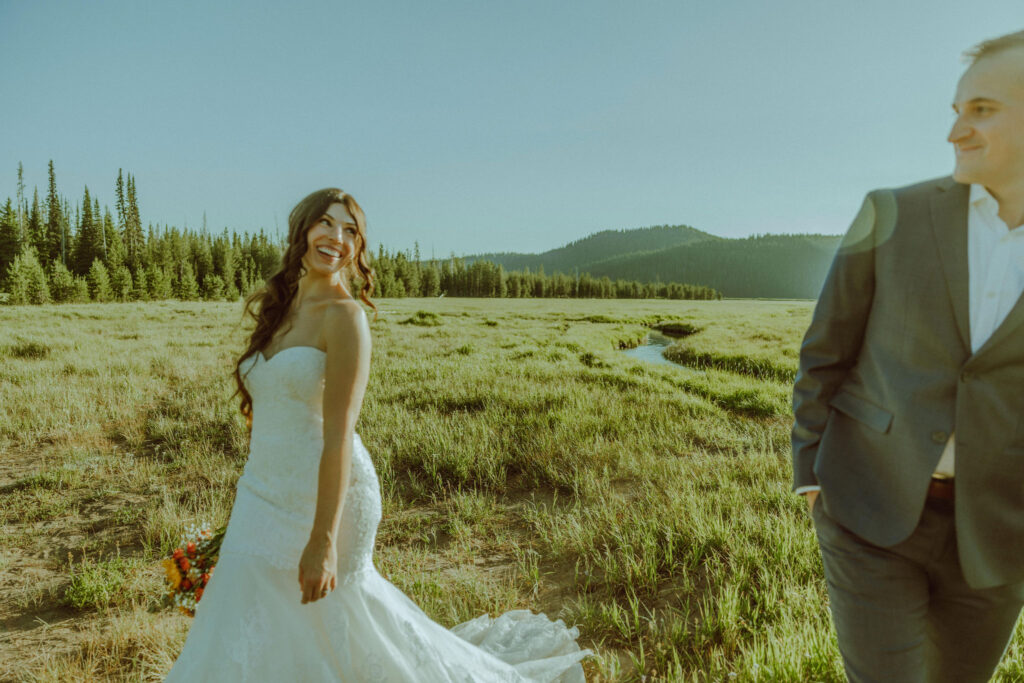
[{"x": 959, "y": 131}]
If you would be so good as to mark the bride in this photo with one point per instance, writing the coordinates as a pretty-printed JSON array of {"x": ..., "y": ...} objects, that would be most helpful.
[{"x": 308, "y": 504}]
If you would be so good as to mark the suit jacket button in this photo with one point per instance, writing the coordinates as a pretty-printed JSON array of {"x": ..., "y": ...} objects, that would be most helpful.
[{"x": 940, "y": 437}]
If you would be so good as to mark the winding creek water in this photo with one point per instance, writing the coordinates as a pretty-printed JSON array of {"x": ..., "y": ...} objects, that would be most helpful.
[{"x": 651, "y": 350}]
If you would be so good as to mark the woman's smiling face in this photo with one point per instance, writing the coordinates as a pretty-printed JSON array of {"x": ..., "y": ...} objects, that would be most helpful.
[{"x": 331, "y": 241}]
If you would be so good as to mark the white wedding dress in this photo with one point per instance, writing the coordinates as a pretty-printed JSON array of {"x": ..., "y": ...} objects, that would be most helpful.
[{"x": 250, "y": 624}]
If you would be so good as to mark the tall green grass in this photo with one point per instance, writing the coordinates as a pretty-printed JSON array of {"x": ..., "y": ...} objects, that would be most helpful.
[{"x": 524, "y": 462}]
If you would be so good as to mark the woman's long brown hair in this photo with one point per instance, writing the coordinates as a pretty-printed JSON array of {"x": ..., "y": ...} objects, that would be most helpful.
[{"x": 270, "y": 304}]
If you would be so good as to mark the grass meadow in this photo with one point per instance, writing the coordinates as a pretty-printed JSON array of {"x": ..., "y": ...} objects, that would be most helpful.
[{"x": 525, "y": 462}]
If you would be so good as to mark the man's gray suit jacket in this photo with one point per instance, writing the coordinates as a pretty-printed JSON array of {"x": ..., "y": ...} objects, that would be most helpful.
[{"x": 886, "y": 374}]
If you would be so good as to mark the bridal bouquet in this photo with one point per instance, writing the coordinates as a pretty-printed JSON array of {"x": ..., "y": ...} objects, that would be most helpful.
[{"x": 190, "y": 565}]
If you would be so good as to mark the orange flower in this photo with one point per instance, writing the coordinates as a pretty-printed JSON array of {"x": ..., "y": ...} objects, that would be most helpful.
[
  {"x": 191, "y": 549},
  {"x": 173, "y": 576},
  {"x": 178, "y": 552},
  {"x": 205, "y": 578},
  {"x": 184, "y": 563},
  {"x": 199, "y": 593},
  {"x": 186, "y": 584}
]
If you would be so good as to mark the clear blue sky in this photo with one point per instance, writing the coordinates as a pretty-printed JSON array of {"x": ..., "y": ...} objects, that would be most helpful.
[{"x": 489, "y": 126}]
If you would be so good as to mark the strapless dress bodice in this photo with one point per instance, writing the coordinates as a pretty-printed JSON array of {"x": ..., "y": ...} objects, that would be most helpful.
[{"x": 276, "y": 498}]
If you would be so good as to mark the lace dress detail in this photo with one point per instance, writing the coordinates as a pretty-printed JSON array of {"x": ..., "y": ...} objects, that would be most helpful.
[{"x": 251, "y": 625}]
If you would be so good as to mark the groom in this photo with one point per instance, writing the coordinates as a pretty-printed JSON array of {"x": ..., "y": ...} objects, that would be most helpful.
[{"x": 908, "y": 439}]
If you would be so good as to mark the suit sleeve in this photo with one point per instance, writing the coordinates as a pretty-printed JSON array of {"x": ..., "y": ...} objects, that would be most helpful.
[{"x": 834, "y": 338}]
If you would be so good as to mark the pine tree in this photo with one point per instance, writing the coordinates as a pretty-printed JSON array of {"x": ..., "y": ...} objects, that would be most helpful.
[
  {"x": 213, "y": 287},
  {"x": 21, "y": 204},
  {"x": 10, "y": 235},
  {"x": 186, "y": 288},
  {"x": 202, "y": 256},
  {"x": 121, "y": 207},
  {"x": 88, "y": 242},
  {"x": 116, "y": 253},
  {"x": 81, "y": 290},
  {"x": 35, "y": 232},
  {"x": 159, "y": 284},
  {"x": 129, "y": 224},
  {"x": 140, "y": 292},
  {"x": 25, "y": 280},
  {"x": 224, "y": 262},
  {"x": 431, "y": 280},
  {"x": 99, "y": 282},
  {"x": 133, "y": 237},
  {"x": 51, "y": 247},
  {"x": 121, "y": 282},
  {"x": 100, "y": 228},
  {"x": 63, "y": 287},
  {"x": 65, "y": 232}
]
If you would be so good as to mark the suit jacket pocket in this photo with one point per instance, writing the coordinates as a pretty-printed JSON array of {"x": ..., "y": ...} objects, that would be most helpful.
[{"x": 862, "y": 410}]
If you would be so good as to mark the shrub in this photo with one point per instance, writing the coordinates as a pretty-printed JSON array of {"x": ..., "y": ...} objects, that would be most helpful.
[
  {"x": 99, "y": 584},
  {"x": 28, "y": 349},
  {"x": 676, "y": 328},
  {"x": 591, "y": 360},
  {"x": 424, "y": 319}
]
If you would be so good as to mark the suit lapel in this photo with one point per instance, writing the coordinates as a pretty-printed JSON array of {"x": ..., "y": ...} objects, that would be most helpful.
[
  {"x": 949, "y": 223},
  {"x": 1013, "y": 320}
]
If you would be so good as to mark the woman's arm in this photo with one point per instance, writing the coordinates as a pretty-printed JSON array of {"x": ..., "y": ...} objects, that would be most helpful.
[{"x": 347, "y": 370}]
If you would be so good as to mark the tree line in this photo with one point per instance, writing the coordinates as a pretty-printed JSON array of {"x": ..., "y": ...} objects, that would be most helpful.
[
  {"x": 58, "y": 251},
  {"x": 405, "y": 274}
]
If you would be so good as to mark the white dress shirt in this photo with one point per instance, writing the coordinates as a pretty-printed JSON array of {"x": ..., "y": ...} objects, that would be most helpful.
[{"x": 995, "y": 267}]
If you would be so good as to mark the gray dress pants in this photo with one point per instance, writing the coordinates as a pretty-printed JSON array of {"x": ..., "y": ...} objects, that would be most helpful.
[{"x": 905, "y": 613}]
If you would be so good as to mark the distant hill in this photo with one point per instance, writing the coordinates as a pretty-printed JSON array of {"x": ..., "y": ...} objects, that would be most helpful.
[
  {"x": 599, "y": 247},
  {"x": 771, "y": 266},
  {"x": 767, "y": 266}
]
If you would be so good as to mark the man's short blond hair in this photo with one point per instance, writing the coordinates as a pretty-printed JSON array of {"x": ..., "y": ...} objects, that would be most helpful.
[{"x": 993, "y": 45}]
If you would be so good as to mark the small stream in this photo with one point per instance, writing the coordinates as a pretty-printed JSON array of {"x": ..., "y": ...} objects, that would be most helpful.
[{"x": 652, "y": 349}]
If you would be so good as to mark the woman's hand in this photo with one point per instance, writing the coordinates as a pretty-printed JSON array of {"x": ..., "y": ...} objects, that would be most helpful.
[{"x": 318, "y": 570}]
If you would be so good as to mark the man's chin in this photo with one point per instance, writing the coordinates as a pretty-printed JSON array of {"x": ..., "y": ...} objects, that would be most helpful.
[{"x": 964, "y": 176}]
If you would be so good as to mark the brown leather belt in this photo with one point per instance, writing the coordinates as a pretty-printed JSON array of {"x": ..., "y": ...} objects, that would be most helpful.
[{"x": 941, "y": 489}]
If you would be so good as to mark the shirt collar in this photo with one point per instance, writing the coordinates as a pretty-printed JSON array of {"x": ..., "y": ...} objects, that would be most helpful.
[
  {"x": 987, "y": 208},
  {"x": 981, "y": 198}
]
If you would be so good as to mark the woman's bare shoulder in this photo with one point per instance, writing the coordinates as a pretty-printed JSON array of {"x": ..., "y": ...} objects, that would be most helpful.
[{"x": 344, "y": 318}]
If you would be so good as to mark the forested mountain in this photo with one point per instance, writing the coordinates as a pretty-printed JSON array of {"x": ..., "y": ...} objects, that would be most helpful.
[
  {"x": 766, "y": 266},
  {"x": 600, "y": 246}
]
